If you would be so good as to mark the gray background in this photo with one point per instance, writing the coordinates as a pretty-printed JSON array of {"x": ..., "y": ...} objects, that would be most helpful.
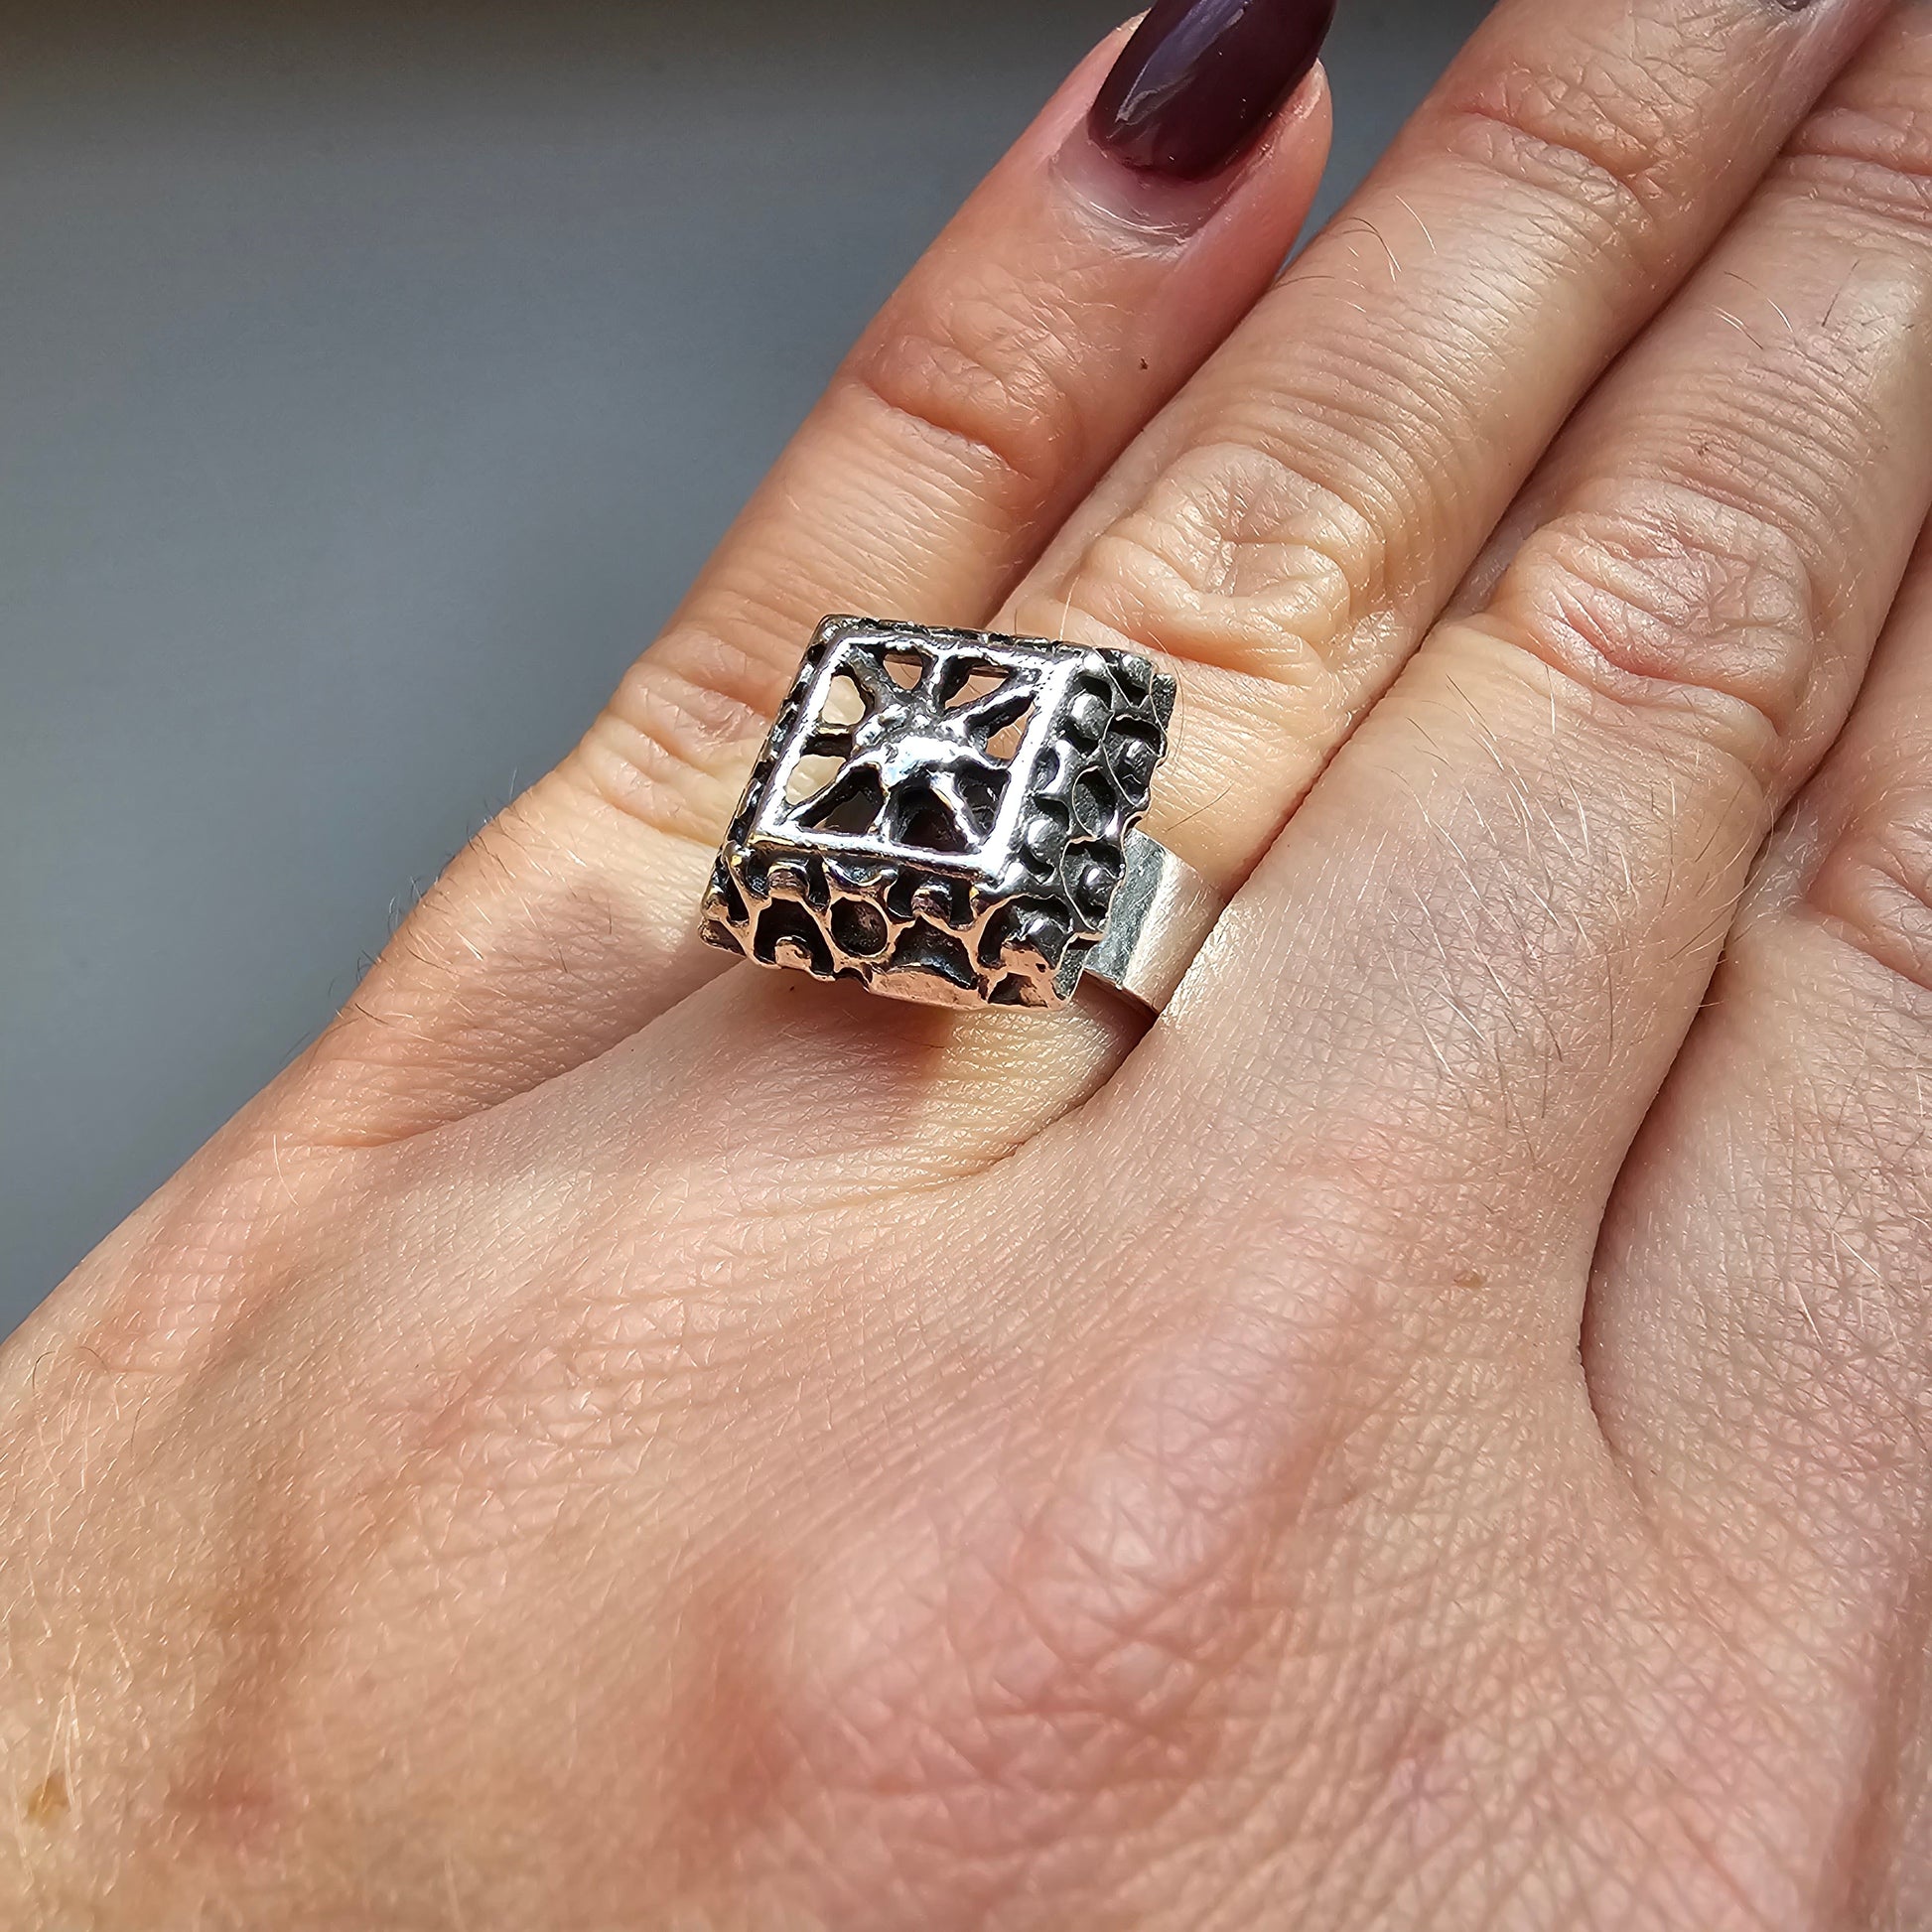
[{"x": 372, "y": 376}]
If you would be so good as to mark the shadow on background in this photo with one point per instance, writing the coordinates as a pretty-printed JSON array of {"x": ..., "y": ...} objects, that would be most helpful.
[{"x": 373, "y": 378}]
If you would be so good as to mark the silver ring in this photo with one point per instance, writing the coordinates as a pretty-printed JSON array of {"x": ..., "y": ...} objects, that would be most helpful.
[{"x": 953, "y": 816}]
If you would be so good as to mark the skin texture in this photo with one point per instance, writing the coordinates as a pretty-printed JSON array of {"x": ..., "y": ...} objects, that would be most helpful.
[{"x": 1432, "y": 1432}]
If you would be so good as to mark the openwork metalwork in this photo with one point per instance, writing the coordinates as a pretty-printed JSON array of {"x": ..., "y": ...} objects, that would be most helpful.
[{"x": 948, "y": 815}]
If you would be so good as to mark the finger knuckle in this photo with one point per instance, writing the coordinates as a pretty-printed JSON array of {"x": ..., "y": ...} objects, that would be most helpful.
[
  {"x": 1866, "y": 153},
  {"x": 1676, "y": 600},
  {"x": 1241, "y": 558},
  {"x": 1594, "y": 135},
  {"x": 980, "y": 376},
  {"x": 671, "y": 748}
]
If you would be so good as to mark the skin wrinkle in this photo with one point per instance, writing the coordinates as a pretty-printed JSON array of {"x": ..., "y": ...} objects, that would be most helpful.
[
  {"x": 1875, "y": 889},
  {"x": 681, "y": 757},
  {"x": 984, "y": 371}
]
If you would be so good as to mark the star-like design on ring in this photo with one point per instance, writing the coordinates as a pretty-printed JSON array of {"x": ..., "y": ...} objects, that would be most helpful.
[{"x": 916, "y": 768}]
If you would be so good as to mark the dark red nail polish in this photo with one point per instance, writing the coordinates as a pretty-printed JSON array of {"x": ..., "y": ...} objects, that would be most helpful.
[{"x": 1201, "y": 79}]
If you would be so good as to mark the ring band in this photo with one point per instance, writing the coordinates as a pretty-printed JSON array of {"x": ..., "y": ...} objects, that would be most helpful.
[{"x": 953, "y": 816}]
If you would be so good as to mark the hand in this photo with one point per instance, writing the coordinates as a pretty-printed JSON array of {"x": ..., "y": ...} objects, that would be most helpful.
[{"x": 1434, "y": 1434}]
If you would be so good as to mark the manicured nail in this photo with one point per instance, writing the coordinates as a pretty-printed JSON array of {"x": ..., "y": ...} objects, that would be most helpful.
[{"x": 1202, "y": 79}]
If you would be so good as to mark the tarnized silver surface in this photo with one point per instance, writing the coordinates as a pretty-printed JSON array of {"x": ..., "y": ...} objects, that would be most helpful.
[{"x": 951, "y": 816}]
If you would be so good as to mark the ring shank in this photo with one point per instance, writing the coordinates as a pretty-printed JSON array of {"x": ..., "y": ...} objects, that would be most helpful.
[{"x": 1162, "y": 912}]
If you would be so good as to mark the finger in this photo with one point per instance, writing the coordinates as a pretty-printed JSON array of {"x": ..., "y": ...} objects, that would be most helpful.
[
  {"x": 1296, "y": 520},
  {"x": 1758, "y": 1340},
  {"x": 1062, "y": 307},
  {"x": 1437, "y": 1015}
]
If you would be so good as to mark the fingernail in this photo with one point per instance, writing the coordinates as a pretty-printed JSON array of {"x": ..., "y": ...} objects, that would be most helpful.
[{"x": 1202, "y": 79}]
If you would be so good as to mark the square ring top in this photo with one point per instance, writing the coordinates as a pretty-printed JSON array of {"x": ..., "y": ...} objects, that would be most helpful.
[{"x": 941, "y": 815}]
